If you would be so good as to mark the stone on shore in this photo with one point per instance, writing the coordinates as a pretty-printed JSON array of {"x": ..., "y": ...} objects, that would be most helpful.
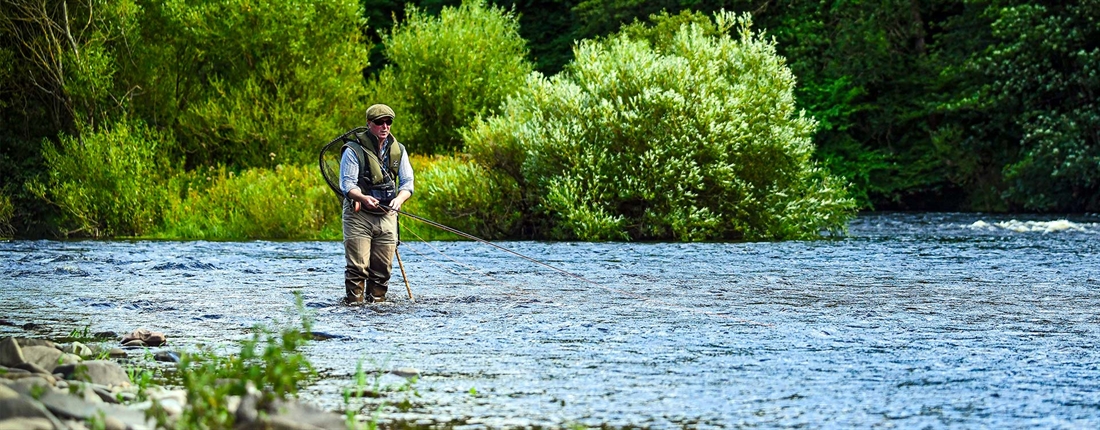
[
  {"x": 146, "y": 338},
  {"x": 102, "y": 372},
  {"x": 48, "y": 358},
  {"x": 66, "y": 406},
  {"x": 289, "y": 415},
  {"x": 26, "y": 341},
  {"x": 26, "y": 424},
  {"x": 405, "y": 372},
  {"x": 10, "y": 353},
  {"x": 78, "y": 348},
  {"x": 33, "y": 368},
  {"x": 21, "y": 410}
]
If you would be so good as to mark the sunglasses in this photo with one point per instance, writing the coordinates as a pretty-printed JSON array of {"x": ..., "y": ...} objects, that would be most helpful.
[{"x": 383, "y": 121}]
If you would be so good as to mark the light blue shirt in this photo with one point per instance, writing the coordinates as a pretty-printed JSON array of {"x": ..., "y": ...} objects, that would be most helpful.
[{"x": 349, "y": 170}]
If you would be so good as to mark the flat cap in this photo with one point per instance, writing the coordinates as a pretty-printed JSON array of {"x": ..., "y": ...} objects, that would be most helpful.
[{"x": 379, "y": 111}]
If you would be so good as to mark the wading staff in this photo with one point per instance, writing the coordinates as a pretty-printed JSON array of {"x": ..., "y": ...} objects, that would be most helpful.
[{"x": 405, "y": 278}]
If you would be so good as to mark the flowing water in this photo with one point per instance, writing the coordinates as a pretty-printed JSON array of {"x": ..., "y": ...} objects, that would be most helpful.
[{"x": 912, "y": 320}]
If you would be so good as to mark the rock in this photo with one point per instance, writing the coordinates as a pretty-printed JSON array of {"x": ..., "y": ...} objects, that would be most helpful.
[
  {"x": 7, "y": 392},
  {"x": 15, "y": 406},
  {"x": 112, "y": 423},
  {"x": 71, "y": 407},
  {"x": 117, "y": 353},
  {"x": 286, "y": 415},
  {"x": 25, "y": 342},
  {"x": 80, "y": 349},
  {"x": 167, "y": 357},
  {"x": 172, "y": 406},
  {"x": 171, "y": 401},
  {"x": 134, "y": 343},
  {"x": 10, "y": 353},
  {"x": 150, "y": 338},
  {"x": 405, "y": 372},
  {"x": 20, "y": 374},
  {"x": 4, "y": 370},
  {"x": 102, "y": 372},
  {"x": 127, "y": 397},
  {"x": 156, "y": 339},
  {"x": 33, "y": 368},
  {"x": 105, "y": 395},
  {"x": 26, "y": 424},
  {"x": 42, "y": 356},
  {"x": 31, "y": 387},
  {"x": 46, "y": 376},
  {"x": 247, "y": 412}
]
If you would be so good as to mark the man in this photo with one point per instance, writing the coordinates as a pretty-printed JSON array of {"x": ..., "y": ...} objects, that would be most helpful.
[{"x": 368, "y": 166}]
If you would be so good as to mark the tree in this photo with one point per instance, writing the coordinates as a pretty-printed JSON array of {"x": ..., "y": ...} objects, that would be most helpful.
[
  {"x": 445, "y": 71},
  {"x": 1024, "y": 121}
]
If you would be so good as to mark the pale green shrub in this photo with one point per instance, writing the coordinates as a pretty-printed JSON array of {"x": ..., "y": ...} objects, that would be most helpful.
[
  {"x": 108, "y": 182},
  {"x": 692, "y": 137},
  {"x": 465, "y": 195},
  {"x": 287, "y": 202},
  {"x": 444, "y": 71}
]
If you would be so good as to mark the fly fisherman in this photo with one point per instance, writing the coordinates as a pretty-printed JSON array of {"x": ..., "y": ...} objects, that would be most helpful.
[{"x": 370, "y": 232}]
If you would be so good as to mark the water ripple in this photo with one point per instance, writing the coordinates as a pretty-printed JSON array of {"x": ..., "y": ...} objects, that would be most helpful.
[{"x": 913, "y": 320}]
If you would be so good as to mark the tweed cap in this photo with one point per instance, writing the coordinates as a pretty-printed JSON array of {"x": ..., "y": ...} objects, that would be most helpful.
[{"x": 379, "y": 111}]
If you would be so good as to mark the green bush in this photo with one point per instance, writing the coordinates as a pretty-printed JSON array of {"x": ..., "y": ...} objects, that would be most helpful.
[
  {"x": 287, "y": 202},
  {"x": 465, "y": 195},
  {"x": 691, "y": 137},
  {"x": 238, "y": 80},
  {"x": 445, "y": 71},
  {"x": 7, "y": 209},
  {"x": 107, "y": 183}
]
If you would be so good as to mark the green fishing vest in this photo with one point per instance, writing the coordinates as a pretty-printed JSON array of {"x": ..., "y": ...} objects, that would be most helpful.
[{"x": 371, "y": 173}]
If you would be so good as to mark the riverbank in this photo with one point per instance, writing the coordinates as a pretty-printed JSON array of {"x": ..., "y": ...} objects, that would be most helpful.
[{"x": 141, "y": 384}]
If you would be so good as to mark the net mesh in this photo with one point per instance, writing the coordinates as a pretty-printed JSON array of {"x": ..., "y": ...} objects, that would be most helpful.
[{"x": 329, "y": 160}]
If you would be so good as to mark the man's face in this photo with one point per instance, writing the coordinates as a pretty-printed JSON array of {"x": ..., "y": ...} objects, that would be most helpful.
[{"x": 380, "y": 127}]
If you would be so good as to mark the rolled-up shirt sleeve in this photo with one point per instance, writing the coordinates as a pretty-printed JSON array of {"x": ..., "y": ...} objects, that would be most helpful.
[
  {"x": 405, "y": 173},
  {"x": 349, "y": 172}
]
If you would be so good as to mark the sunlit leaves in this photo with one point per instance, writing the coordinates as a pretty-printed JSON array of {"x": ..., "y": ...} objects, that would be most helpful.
[{"x": 691, "y": 136}]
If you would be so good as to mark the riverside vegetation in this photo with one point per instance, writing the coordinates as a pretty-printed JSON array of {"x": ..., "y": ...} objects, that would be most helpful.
[
  {"x": 185, "y": 119},
  {"x": 204, "y": 389},
  {"x": 201, "y": 120}
]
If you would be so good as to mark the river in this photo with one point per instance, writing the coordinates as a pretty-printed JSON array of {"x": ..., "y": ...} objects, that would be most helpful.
[{"x": 912, "y": 320}]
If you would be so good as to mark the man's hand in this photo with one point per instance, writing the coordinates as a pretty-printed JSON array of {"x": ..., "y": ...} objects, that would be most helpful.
[{"x": 370, "y": 202}]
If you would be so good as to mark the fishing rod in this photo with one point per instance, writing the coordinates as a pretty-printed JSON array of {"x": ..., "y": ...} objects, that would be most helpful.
[
  {"x": 329, "y": 172},
  {"x": 627, "y": 293},
  {"x": 478, "y": 239}
]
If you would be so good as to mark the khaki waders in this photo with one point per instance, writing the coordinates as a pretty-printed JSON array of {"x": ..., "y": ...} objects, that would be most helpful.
[{"x": 369, "y": 243}]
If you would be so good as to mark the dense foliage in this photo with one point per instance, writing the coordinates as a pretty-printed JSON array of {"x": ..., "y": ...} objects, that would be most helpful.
[
  {"x": 107, "y": 182},
  {"x": 918, "y": 104},
  {"x": 445, "y": 71},
  {"x": 109, "y": 100},
  {"x": 1023, "y": 112},
  {"x": 692, "y": 137},
  {"x": 238, "y": 81}
]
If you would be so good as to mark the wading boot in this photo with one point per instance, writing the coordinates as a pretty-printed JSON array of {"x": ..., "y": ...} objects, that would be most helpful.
[{"x": 355, "y": 293}]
